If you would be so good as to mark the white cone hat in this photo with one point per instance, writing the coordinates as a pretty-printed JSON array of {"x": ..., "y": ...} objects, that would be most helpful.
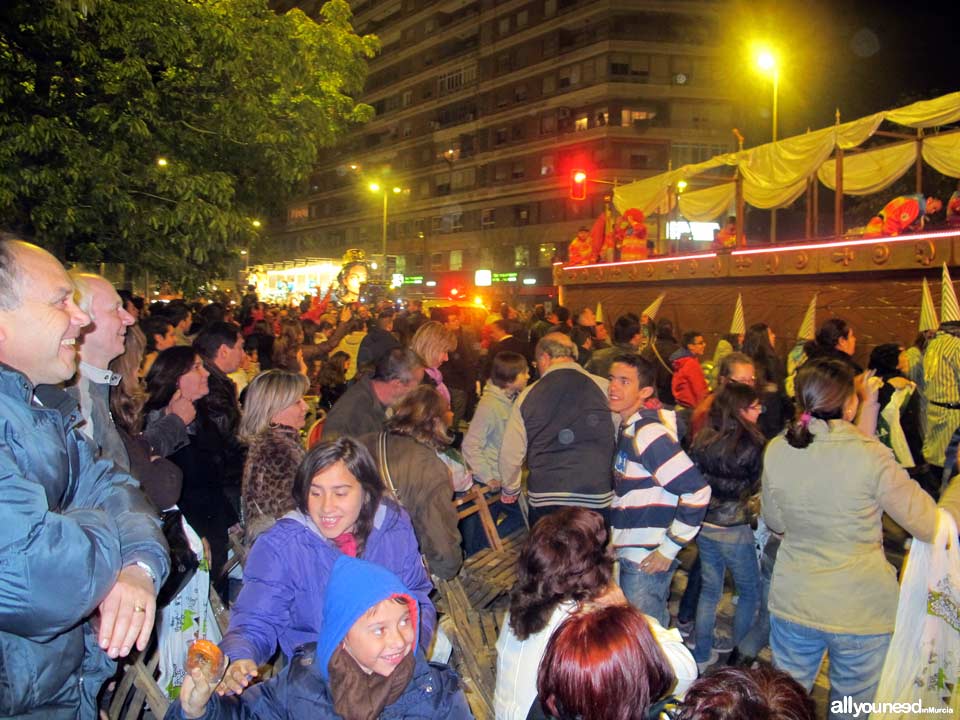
[
  {"x": 653, "y": 308},
  {"x": 808, "y": 328},
  {"x": 928, "y": 313},
  {"x": 599, "y": 313},
  {"x": 949, "y": 308},
  {"x": 738, "y": 326}
]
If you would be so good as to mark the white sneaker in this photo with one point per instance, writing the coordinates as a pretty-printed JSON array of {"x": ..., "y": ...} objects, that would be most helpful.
[{"x": 702, "y": 667}]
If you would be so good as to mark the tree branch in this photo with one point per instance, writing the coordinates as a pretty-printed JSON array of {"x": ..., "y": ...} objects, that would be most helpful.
[{"x": 211, "y": 132}]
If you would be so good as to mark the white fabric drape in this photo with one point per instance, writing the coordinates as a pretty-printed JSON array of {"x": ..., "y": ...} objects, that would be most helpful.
[
  {"x": 942, "y": 153},
  {"x": 872, "y": 170},
  {"x": 708, "y": 204},
  {"x": 776, "y": 174}
]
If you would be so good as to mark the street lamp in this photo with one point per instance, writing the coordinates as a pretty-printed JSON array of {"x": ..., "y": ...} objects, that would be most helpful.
[
  {"x": 377, "y": 188},
  {"x": 767, "y": 62}
]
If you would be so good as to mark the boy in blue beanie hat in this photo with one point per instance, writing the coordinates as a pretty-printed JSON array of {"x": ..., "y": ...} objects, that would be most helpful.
[{"x": 365, "y": 665}]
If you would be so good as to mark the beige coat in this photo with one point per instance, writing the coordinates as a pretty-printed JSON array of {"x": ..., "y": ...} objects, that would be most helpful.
[{"x": 827, "y": 499}]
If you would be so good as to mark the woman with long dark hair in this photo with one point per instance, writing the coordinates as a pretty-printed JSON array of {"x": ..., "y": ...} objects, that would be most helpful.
[
  {"x": 835, "y": 339},
  {"x": 758, "y": 345},
  {"x": 341, "y": 509},
  {"x": 179, "y": 374},
  {"x": 729, "y": 454},
  {"x": 565, "y": 568},
  {"x": 825, "y": 487}
]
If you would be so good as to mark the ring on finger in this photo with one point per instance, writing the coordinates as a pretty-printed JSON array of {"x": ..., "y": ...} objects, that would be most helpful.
[{"x": 139, "y": 608}]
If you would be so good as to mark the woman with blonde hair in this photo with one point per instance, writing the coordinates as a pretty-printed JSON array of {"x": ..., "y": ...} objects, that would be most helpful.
[
  {"x": 407, "y": 454},
  {"x": 273, "y": 415},
  {"x": 432, "y": 342}
]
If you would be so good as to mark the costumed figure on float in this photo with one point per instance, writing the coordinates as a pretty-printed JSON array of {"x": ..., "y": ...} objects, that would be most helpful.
[
  {"x": 345, "y": 290},
  {"x": 581, "y": 250},
  {"x": 630, "y": 235},
  {"x": 907, "y": 213}
]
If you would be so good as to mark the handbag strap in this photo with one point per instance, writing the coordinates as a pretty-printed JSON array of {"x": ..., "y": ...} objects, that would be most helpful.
[
  {"x": 384, "y": 467},
  {"x": 653, "y": 346}
]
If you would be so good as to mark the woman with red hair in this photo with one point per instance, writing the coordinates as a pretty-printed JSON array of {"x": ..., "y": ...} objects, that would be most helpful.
[{"x": 604, "y": 665}]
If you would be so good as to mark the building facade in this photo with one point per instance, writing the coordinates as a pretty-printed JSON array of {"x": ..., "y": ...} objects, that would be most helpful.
[{"x": 483, "y": 111}]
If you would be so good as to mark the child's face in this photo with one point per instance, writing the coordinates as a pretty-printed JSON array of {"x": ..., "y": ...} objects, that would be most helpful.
[{"x": 382, "y": 638}]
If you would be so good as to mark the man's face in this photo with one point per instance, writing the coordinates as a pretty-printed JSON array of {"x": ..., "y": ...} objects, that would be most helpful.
[
  {"x": 230, "y": 358},
  {"x": 166, "y": 341},
  {"x": 587, "y": 318},
  {"x": 697, "y": 346},
  {"x": 399, "y": 390},
  {"x": 453, "y": 323},
  {"x": 38, "y": 338},
  {"x": 102, "y": 341},
  {"x": 625, "y": 396},
  {"x": 553, "y": 319}
]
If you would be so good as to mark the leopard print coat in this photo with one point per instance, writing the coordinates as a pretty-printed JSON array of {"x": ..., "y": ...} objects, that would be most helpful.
[{"x": 272, "y": 461}]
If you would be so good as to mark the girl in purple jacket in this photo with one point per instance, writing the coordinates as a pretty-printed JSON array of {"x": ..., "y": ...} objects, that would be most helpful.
[{"x": 341, "y": 510}]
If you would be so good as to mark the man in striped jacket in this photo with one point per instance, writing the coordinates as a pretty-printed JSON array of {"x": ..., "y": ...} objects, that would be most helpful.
[{"x": 660, "y": 497}]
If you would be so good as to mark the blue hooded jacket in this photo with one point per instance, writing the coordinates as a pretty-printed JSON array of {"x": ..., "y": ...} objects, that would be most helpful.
[{"x": 302, "y": 690}]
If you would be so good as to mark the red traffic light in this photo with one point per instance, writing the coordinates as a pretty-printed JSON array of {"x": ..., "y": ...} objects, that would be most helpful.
[{"x": 578, "y": 185}]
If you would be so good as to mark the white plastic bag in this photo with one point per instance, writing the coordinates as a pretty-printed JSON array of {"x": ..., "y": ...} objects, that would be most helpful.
[
  {"x": 188, "y": 617},
  {"x": 923, "y": 661}
]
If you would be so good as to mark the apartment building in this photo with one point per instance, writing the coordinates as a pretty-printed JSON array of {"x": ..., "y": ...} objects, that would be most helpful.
[{"x": 483, "y": 110}]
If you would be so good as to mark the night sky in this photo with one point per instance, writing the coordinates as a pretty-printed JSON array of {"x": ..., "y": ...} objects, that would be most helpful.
[{"x": 861, "y": 56}]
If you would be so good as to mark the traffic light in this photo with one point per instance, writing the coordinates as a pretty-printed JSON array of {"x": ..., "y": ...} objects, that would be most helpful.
[{"x": 578, "y": 185}]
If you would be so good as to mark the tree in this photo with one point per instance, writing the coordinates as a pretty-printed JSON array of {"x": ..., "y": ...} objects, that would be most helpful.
[{"x": 153, "y": 132}]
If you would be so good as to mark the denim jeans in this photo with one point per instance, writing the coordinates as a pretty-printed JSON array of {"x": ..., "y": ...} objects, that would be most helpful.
[
  {"x": 856, "y": 661},
  {"x": 722, "y": 548},
  {"x": 691, "y": 595},
  {"x": 647, "y": 592},
  {"x": 759, "y": 635}
]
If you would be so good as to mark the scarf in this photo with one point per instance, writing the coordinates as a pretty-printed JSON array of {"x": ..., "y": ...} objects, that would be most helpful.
[
  {"x": 346, "y": 543},
  {"x": 437, "y": 377},
  {"x": 359, "y": 696}
]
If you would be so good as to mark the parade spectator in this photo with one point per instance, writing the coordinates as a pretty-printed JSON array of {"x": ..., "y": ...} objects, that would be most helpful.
[
  {"x": 362, "y": 408},
  {"x": 274, "y": 414},
  {"x": 825, "y": 484},
  {"x": 729, "y": 456},
  {"x": 133, "y": 304},
  {"x": 341, "y": 509},
  {"x": 688, "y": 384},
  {"x": 583, "y": 339},
  {"x": 101, "y": 341},
  {"x": 565, "y": 569},
  {"x": 626, "y": 339},
  {"x": 563, "y": 428},
  {"x": 179, "y": 373},
  {"x": 221, "y": 347},
  {"x": 461, "y": 367},
  {"x": 758, "y": 344},
  {"x": 660, "y": 496},
  {"x": 734, "y": 367},
  {"x": 409, "y": 321},
  {"x": 658, "y": 354},
  {"x": 407, "y": 452},
  {"x": 481, "y": 444},
  {"x": 288, "y": 351},
  {"x": 541, "y": 323},
  {"x": 331, "y": 379},
  {"x": 503, "y": 339},
  {"x": 367, "y": 662},
  {"x": 433, "y": 342},
  {"x": 79, "y": 537},
  {"x": 159, "y": 336},
  {"x": 378, "y": 341},
  {"x": 605, "y": 665},
  {"x": 738, "y": 693},
  {"x": 835, "y": 339},
  {"x": 178, "y": 312}
]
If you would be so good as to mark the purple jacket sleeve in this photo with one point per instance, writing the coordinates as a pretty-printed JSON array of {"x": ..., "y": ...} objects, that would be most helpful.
[{"x": 264, "y": 605}]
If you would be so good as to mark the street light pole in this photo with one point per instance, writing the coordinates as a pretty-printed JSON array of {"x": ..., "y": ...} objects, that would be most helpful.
[
  {"x": 776, "y": 97},
  {"x": 383, "y": 237}
]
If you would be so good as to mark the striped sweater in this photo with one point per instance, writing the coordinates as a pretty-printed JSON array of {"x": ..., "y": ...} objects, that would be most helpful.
[{"x": 660, "y": 496}]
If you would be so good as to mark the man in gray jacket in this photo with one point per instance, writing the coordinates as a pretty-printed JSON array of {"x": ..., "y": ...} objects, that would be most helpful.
[{"x": 81, "y": 553}]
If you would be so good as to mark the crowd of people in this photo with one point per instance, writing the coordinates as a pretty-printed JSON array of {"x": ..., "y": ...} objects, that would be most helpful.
[{"x": 132, "y": 431}]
